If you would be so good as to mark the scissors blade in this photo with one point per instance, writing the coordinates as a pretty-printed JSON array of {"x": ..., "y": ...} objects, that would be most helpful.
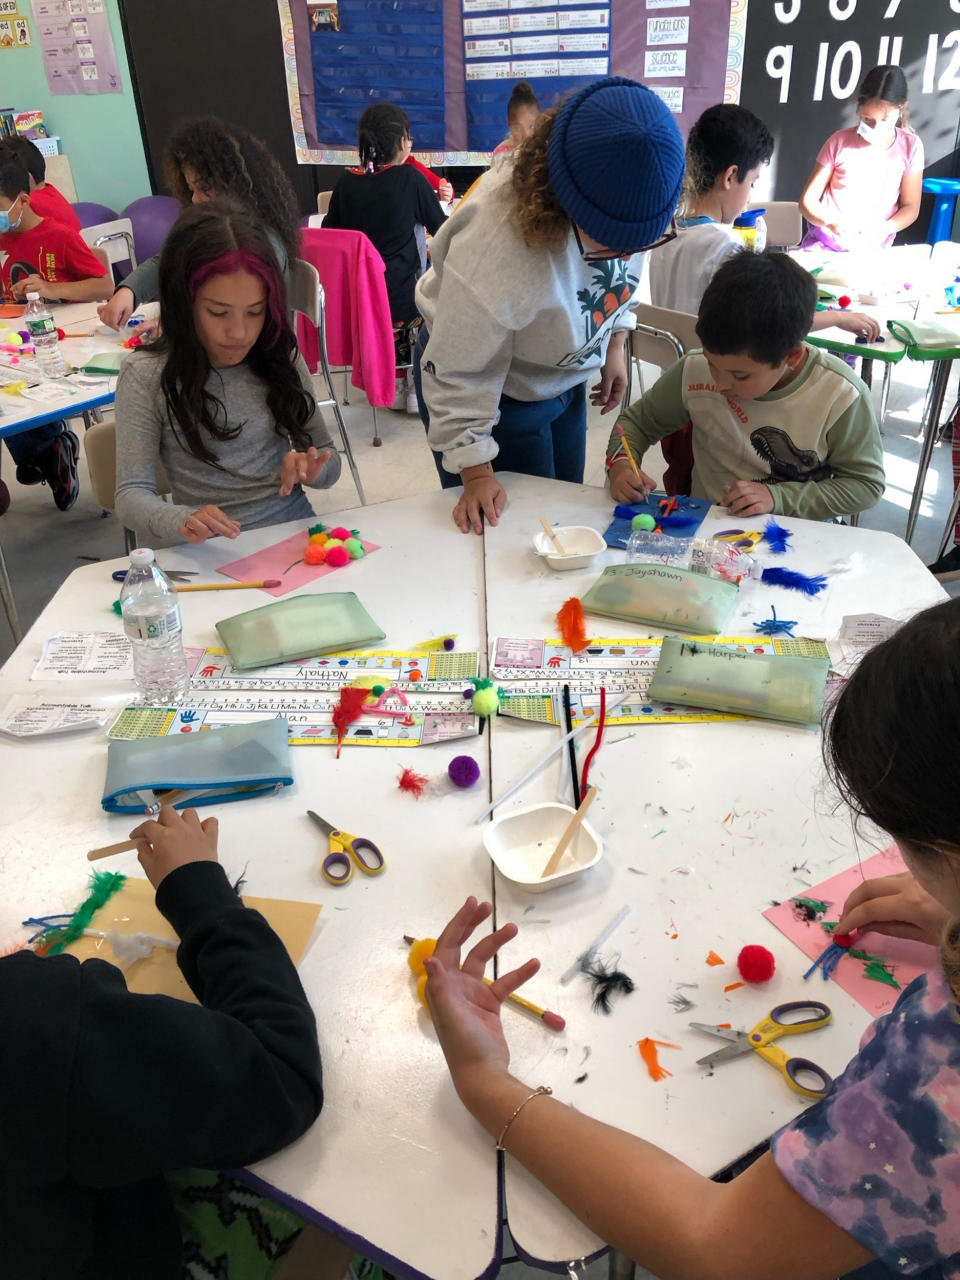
[
  {"x": 711, "y": 1029},
  {"x": 726, "y": 1054},
  {"x": 322, "y": 823}
]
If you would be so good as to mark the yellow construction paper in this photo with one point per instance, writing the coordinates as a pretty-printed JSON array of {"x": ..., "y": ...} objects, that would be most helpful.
[{"x": 132, "y": 910}]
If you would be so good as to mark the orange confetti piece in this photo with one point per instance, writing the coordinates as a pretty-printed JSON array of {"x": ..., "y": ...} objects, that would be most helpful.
[
  {"x": 725, "y": 820},
  {"x": 733, "y": 986},
  {"x": 648, "y": 1052},
  {"x": 714, "y": 959},
  {"x": 727, "y": 1025}
]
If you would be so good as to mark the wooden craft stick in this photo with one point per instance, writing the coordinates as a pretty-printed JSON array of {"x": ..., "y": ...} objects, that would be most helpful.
[
  {"x": 573, "y": 826},
  {"x": 229, "y": 586},
  {"x": 549, "y": 530},
  {"x": 109, "y": 850}
]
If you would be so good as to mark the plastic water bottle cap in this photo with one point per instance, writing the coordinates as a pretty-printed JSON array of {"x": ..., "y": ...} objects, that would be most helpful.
[
  {"x": 33, "y": 297},
  {"x": 140, "y": 557}
]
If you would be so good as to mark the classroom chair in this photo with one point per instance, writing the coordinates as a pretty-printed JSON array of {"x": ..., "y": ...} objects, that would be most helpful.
[
  {"x": 152, "y": 218},
  {"x": 784, "y": 222},
  {"x": 6, "y": 589},
  {"x": 112, "y": 242},
  {"x": 676, "y": 333},
  {"x": 100, "y": 447},
  {"x": 89, "y": 213},
  {"x": 323, "y": 201},
  {"x": 306, "y": 298}
]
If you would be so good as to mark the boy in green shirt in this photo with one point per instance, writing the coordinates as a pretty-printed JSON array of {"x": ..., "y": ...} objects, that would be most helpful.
[{"x": 778, "y": 426}]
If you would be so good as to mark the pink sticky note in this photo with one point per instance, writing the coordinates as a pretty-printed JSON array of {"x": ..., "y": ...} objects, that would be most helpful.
[
  {"x": 906, "y": 960},
  {"x": 275, "y": 562}
]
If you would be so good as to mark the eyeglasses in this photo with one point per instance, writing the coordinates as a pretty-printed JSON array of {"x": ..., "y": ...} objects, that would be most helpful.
[{"x": 605, "y": 255}]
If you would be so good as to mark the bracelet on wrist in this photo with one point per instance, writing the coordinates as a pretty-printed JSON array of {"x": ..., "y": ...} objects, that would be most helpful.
[{"x": 541, "y": 1089}]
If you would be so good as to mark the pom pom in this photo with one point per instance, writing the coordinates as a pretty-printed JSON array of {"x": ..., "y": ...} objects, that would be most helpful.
[
  {"x": 414, "y": 674},
  {"x": 340, "y": 533},
  {"x": 377, "y": 690},
  {"x": 486, "y": 702},
  {"x": 756, "y": 964},
  {"x": 449, "y": 644},
  {"x": 570, "y": 624},
  {"x": 413, "y": 782},
  {"x": 467, "y": 693},
  {"x": 348, "y": 708},
  {"x": 794, "y": 581},
  {"x": 776, "y": 536},
  {"x": 844, "y": 301},
  {"x": 844, "y": 940},
  {"x": 645, "y": 522},
  {"x": 337, "y": 557},
  {"x": 333, "y": 542},
  {"x": 314, "y": 554},
  {"x": 354, "y": 548},
  {"x": 463, "y": 771},
  {"x": 318, "y": 539},
  {"x": 13, "y": 339},
  {"x": 23, "y": 334},
  {"x": 419, "y": 949}
]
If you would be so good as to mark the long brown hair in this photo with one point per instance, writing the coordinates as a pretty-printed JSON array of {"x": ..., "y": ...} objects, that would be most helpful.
[{"x": 543, "y": 222}]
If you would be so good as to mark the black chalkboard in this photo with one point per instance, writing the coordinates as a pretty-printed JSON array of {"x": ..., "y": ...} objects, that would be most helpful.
[{"x": 804, "y": 60}]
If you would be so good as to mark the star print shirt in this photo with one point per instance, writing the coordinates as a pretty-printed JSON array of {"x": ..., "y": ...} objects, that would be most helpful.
[{"x": 880, "y": 1155}]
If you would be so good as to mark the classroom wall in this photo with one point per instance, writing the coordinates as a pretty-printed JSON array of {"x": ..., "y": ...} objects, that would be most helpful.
[{"x": 99, "y": 132}]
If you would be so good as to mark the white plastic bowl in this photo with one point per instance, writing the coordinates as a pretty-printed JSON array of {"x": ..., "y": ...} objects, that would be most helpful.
[
  {"x": 521, "y": 842},
  {"x": 581, "y": 544}
]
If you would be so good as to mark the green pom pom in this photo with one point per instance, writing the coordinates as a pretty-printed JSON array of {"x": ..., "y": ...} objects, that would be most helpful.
[
  {"x": 377, "y": 690},
  {"x": 486, "y": 702},
  {"x": 354, "y": 548},
  {"x": 643, "y": 522}
]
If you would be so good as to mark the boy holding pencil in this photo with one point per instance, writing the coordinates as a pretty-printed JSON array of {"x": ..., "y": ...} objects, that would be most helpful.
[{"x": 779, "y": 426}]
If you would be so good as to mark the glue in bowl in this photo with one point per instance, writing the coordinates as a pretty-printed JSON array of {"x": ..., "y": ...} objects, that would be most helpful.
[
  {"x": 581, "y": 545},
  {"x": 521, "y": 842}
]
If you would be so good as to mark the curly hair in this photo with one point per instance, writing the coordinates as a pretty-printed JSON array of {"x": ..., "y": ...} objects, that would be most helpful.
[
  {"x": 381, "y": 132},
  {"x": 229, "y": 161},
  {"x": 543, "y": 221},
  {"x": 213, "y": 238}
]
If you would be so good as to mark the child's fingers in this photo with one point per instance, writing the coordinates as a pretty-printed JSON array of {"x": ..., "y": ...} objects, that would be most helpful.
[
  {"x": 148, "y": 831},
  {"x": 487, "y": 948},
  {"x": 509, "y": 982}
]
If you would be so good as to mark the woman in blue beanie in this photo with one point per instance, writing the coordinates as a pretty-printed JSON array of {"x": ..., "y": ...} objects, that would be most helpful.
[{"x": 529, "y": 288}]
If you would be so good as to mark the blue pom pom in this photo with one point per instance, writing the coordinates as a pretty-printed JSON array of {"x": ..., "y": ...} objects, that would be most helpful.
[
  {"x": 776, "y": 536},
  {"x": 795, "y": 581}
]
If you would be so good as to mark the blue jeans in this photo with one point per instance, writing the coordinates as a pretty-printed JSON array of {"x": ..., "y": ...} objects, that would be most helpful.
[
  {"x": 28, "y": 445},
  {"x": 536, "y": 437}
]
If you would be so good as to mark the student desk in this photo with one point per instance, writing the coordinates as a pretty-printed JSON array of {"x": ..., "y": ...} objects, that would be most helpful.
[{"x": 395, "y": 1163}]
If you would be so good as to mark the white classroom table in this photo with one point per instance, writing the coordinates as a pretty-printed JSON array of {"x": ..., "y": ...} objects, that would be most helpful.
[{"x": 394, "y": 1162}]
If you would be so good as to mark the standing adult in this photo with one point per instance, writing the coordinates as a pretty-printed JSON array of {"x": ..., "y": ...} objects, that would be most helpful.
[{"x": 529, "y": 288}]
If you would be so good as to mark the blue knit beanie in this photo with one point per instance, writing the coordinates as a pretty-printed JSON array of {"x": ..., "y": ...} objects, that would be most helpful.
[{"x": 615, "y": 162}]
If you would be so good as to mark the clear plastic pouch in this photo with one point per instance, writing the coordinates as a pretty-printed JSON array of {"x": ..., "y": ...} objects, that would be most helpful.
[
  {"x": 664, "y": 596},
  {"x": 299, "y": 627},
  {"x": 700, "y": 555}
]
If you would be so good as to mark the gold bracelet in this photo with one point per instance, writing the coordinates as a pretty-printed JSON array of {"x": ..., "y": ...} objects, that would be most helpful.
[{"x": 536, "y": 1093}]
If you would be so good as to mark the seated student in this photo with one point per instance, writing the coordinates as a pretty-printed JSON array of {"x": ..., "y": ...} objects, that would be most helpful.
[
  {"x": 45, "y": 199},
  {"x": 45, "y": 257},
  {"x": 778, "y": 425},
  {"x": 104, "y": 1092},
  {"x": 207, "y": 159},
  {"x": 222, "y": 399},
  {"x": 865, "y": 1177},
  {"x": 442, "y": 187}
]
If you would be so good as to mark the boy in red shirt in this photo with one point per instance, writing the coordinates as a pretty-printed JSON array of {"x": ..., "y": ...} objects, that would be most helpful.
[
  {"x": 45, "y": 199},
  {"x": 43, "y": 256}
]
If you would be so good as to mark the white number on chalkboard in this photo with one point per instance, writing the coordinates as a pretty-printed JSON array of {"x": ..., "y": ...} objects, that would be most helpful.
[
  {"x": 842, "y": 9},
  {"x": 779, "y": 65},
  {"x": 955, "y": 5},
  {"x": 844, "y": 90},
  {"x": 786, "y": 12},
  {"x": 950, "y": 78},
  {"x": 890, "y": 51},
  {"x": 892, "y": 8}
]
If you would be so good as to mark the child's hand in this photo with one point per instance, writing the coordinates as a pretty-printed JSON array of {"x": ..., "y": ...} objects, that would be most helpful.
[
  {"x": 857, "y": 322},
  {"x": 627, "y": 486},
  {"x": 483, "y": 496},
  {"x": 300, "y": 468},
  {"x": 34, "y": 284},
  {"x": 895, "y": 905},
  {"x": 208, "y": 522},
  {"x": 115, "y": 313},
  {"x": 445, "y": 191},
  {"x": 746, "y": 498},
  {"x": 173, "y": 840}
]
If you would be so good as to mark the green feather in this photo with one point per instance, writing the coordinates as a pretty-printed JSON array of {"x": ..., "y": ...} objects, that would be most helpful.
[{"x": 103, "y": 885}]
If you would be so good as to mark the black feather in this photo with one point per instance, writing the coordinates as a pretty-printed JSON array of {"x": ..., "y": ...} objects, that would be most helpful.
[{"x": 607, "y": 980}]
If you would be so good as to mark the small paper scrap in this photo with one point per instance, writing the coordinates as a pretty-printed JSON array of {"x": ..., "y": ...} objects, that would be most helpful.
[
  {"x": 32, "y": 717},
  {"x": 84, "y": 655},
  {"x": 859, "y": 632}
]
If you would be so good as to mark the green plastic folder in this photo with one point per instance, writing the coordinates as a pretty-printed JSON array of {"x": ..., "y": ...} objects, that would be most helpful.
[{"x": 663, "y": 596}]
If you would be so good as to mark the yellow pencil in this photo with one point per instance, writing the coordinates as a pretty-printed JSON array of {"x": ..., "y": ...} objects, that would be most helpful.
[
  {"x": 229, "y": 586},
  {"x": 626, "y": 444}
]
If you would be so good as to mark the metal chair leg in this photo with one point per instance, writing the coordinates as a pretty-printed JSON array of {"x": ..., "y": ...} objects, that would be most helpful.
[
  {"x": 620, "y": 1266},
  {"x": 951, "y": 521},
  {"x": 941, "y": 373},
  {"x": 377, "y": 442},
  {"x": 8, "y": 602},
  {"x": 885, "y": 394},
  {"x": 348, "y": 453}
]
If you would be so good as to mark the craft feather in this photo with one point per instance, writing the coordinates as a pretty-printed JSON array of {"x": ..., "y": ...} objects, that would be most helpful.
[
  {"x": 676, "y": 522},
  {"x": 624, "y": 512},
  {"x": 103, "y": 885},
  {"x": 794, "y": 581},
  {"x": 776, "y": 536},
  {"x": 348, "y": 709},
  {"x": 607, "y": 982},
  {"x": 682, "y": 1003},
  {"x": 571, "y": 625},
  {"x": 413, "y": 782}
]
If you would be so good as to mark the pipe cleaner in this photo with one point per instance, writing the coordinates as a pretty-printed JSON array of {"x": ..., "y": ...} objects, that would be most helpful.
[
  {"x": 775, "y": 626},
  {"x": 103, "y": 885}
]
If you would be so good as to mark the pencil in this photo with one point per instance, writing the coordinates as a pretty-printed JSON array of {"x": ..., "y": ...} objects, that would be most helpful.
[
  {"x": 229, "y": 586},
  {"x": 626, "y": 444}
]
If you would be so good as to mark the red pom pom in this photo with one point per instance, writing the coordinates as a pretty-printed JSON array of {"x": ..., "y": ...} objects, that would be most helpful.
[
  {"x": 843, "y": 939},
  {"x": 314, "y": 554},
  {"x": 337, "y": 557},
  {"x": 61, "y": 335},
  {"x": 412, "y": 781},
  {"x": 340, "y": 532},
  {"x": 844, "y": 301},
  {"x": 756, "y": 964}
]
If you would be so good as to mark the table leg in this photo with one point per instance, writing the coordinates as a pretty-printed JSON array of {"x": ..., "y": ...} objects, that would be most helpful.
[
  {"x": 885, "y": 394},
  {"x": 8, "y": 602},
  {"x": 621, "y": 1267},
  {"x": 866, "y": 371},
  {"x": 939, "y": 388},
  {"x": 951, "y": 521}
]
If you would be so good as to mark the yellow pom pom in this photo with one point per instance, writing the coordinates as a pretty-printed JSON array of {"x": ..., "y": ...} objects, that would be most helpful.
[
  {"x": 333, "y": 542},
  {"x": 366, "y": 682},
  {"x": 486, "y": 702},
  {"x": 422, "y": 990},
  {"x": 420, "y": 948}
]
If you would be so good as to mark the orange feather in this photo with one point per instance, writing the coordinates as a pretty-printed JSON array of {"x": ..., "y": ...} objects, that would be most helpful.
[{"x": 571, "y": 626}]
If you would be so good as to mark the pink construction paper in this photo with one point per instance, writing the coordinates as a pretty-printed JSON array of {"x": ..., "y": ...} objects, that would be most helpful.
[
  {"x": 906, "y": 960},
  {"x": 271, "y": 562}
]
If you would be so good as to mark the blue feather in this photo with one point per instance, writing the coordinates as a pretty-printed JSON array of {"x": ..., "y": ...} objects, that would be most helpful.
[
  {"x": 777, "y": 536},
  {"x": 622, "y": 512},
  {"x": 795, "y": 581},
  {"x": 677, "y": 522}
]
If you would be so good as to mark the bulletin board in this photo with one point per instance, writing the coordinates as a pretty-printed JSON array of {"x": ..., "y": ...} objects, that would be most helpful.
[
  {"x": 451, "y": 63},
  {"x": 807, "y": 58}
]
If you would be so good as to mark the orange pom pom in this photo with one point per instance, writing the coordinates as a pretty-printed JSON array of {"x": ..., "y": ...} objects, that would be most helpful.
[
  {"x": 314, "y": 554},
  {"x": 571, "y": 626}
]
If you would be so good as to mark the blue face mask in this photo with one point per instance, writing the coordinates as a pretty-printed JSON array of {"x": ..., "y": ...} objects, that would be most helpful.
[{"x": 5, "y": 223}]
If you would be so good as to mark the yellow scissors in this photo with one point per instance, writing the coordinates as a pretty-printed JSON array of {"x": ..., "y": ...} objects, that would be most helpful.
[
  {"x": 780, "y": 1021},
  {"x": 344, "y": 851}
]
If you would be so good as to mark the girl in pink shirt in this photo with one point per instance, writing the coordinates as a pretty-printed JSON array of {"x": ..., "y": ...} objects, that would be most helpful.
[{"x": 866, "y": 185}]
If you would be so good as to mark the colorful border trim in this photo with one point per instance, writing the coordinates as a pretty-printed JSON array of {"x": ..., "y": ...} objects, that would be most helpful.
[{"x": 738, "y": 39}]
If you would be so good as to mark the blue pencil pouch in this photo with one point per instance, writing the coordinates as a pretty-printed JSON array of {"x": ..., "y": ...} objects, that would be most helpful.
[{"x": 212, "y": 767}]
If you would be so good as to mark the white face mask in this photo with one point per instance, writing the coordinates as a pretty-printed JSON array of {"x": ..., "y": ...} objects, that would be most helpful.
[{"x": 876, "y": 134}]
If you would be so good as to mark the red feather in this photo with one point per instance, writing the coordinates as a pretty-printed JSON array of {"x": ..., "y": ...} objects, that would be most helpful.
[
  {"x": 410, "y": 780},
  {"x": 348, "y": 709},
  {"x": 571, "y": 626}
]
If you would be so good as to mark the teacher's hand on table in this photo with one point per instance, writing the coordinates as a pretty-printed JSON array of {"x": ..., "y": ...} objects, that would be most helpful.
[
  {"x": 208, "y": 522},
  {"x": 115, "y": 313},
  {"x": 465, "y": 1011},
  {"x": 301, "y": 468},
  {"x": 895, "y": 905},
  {"x": 483, "y": 496},
  {"x": 747, "y": 498},
  {"x": 627, "y": 486},
  {"x": 173, "y": 840}
]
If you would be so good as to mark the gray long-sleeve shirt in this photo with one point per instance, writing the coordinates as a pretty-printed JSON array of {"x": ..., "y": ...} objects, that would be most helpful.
[{"x": 246, "y": 486}]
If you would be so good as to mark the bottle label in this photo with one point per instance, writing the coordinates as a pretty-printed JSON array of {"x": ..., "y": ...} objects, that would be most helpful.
[
  {"x": 40, "y": 326},
  {"x": 152, "y": 626}
]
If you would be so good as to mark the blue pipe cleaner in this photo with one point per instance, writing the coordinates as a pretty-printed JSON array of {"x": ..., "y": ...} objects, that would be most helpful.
[
  {"x": 776, "y": 536},
  {"x": 790, "y": 578},
  {"x": 827, "y": 960},
  {"x": 775, "y": 626}
]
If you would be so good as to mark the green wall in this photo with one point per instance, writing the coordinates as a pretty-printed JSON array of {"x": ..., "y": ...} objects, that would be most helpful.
[{"x": 99, "y": 132}]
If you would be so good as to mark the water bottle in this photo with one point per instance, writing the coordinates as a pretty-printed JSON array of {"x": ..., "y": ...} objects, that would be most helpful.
[
  {"x": 40, "y": 324},
  {"x": 151, "y": 621},
  {"x": 753, "y": 229}
]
